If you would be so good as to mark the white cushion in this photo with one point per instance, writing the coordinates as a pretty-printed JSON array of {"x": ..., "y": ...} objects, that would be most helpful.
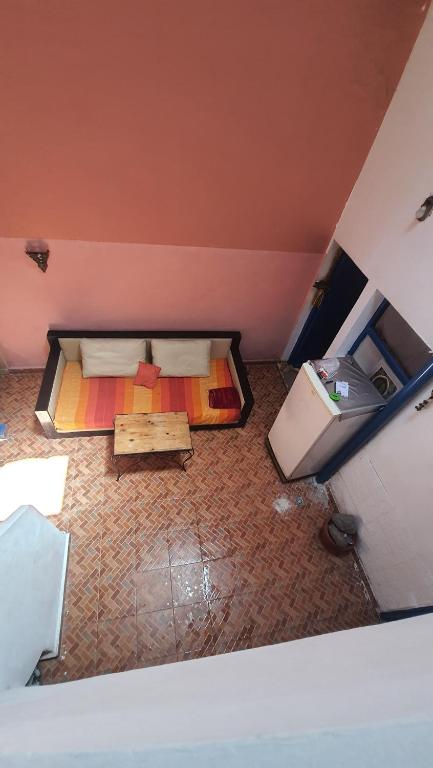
[
  {"x": 182, "y": 357},
  {"x": 112, "y": 357}
]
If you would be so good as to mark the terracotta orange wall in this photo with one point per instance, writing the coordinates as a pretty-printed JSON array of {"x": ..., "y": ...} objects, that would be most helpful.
[
  {"x": 110, "y": 285},
  {"x": 230, "y": 130},
  {"x": 231, "y": 123}
]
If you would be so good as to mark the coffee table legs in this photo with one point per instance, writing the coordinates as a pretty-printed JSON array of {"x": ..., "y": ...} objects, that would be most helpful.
[
  {"x": 116, "y": 464},
  {"x": 116, "y": 467},
  {"x": 190, "y": 455}
]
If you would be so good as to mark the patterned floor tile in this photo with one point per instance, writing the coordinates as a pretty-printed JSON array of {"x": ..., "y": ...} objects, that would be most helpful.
[
  {"x": 82, "y": 584},
  {"x": 160, "y": 512},
  {"x": 155, "y": 636},
  {"x": 84, "y": 558},
  {"x": 221, "y": 578},
  {"x": 85, "y": 521},
  {"x": 212, "y": 510},
  {"x": 119, "y": 494},
  {"x": 116, "y": 649},
  {"x": 237, "y": 536},
  {"x": 188, "y": 584},
  {"x": 255, "y": 570},
  {"x": 194, "y": 631},
  {"x": 151, "y": 517},
  {"x": 215, "y": 541},
  {"x": 118, "y": 552},
  {"x": 77, "y": 656},
  {"x": 117, "y": 594},
  {"x": 184, "y": 545},
  {"x": 61, "y": 521},
  {"x": 153, "y": 590},
  {"x": 236, "y": 622},
  {"x": 87, "y": 489},
  {"x": 151, "y": 550},
  {"x": 81, "y": 600},
  {"x": 156, "y": 662},
  {"x": 159, "y": 476},
  {"x": 117, "y": 519}
]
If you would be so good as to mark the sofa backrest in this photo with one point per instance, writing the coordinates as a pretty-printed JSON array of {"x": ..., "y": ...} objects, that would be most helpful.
[{"x": 71, "y": 348}]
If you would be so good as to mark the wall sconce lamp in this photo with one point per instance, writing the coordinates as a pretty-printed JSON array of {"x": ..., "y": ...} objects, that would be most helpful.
[
  {"x": 425, "y": 210},
  {"x": 39, "y": 252}
]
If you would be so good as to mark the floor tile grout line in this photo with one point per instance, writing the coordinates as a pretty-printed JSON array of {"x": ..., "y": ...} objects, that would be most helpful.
[
  {"x": 172, "y": 606},
  {"x": 72, "y": 499},
  {"x": 135, "y": 594}
]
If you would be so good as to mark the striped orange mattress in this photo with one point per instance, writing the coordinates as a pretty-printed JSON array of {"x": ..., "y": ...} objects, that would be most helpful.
[{"x": 85, "y": 404}]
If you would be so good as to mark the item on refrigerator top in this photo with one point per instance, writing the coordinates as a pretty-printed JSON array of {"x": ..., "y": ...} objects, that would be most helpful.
[
  {"x": 323, "y": 375},
  {"x": 342, "y": 388},
  {"x": 325, "y": 369}
]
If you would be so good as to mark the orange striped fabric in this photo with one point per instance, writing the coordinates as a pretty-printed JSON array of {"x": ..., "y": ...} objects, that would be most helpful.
[{"x": 86, "y": 404}]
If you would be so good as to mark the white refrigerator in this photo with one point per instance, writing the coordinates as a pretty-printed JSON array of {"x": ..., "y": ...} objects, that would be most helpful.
[{"x": 311, "y": 426}]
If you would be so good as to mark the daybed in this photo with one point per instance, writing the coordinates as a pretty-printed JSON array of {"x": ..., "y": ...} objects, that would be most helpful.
[{"x": 70, "y": 405}]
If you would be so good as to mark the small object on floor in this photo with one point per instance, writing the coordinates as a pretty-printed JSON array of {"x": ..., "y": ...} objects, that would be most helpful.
[
  {"x": 3, "y": 431},
  {"x": 336, "y": 541},
  {"x": 282, "y": 505},
  {"x": 37, "y": 481},
  {"x": 341, "y": 539},
  {"x": 345, "y": 523},
  {"x": 299, "y": 501}
]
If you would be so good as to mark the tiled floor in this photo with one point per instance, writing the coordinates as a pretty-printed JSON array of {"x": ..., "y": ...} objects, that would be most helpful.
[{"x": 168, "y": 565}]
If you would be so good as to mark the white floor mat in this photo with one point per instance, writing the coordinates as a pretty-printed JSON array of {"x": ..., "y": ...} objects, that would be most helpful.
[{"x": 39, "y": 482}]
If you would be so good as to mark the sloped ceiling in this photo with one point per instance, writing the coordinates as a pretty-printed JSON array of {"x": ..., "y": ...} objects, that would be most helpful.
[{"x": 233, "y": 123}]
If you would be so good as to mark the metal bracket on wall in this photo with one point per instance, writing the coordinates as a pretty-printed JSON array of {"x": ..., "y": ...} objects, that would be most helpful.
[
  {"x": 423, "y": 403},
  {"x": 39, "y": 252}
]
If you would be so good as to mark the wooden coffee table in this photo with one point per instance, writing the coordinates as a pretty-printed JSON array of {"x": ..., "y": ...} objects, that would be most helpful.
[{"x": 137, "y": 434}]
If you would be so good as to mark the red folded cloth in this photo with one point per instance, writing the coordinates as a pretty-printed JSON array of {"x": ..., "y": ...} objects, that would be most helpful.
[{"x": 224, "y": 397}]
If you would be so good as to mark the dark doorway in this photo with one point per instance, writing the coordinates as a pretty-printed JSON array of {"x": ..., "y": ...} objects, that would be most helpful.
[{"x": 336, "y": 296}]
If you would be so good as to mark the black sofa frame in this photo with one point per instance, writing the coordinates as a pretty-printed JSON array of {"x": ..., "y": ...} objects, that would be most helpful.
[{"x": 41, "y": 409}]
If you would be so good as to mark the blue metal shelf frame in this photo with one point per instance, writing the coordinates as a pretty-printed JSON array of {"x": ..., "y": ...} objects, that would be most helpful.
[
  {"x": 389, "y": 357},
  {"x": 371, "y": 323},
  {"x": 384, "y": 350}
]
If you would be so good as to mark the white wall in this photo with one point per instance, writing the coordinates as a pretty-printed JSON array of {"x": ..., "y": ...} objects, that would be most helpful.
[
  {"x": 378, "y": 228},
  {"x": 348, "y": 698},
  {"x": 389, "y": 484}
]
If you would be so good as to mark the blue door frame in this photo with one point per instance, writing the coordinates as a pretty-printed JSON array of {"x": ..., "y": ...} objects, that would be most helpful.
[{"x": 341, "y": 289}]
